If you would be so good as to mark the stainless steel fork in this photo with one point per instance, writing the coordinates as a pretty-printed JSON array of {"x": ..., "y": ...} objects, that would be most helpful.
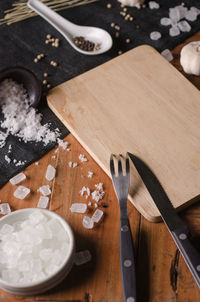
[{"x": 121, "y": 181}]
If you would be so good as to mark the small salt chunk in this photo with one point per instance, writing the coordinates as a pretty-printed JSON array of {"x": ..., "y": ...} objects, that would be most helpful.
[
  {"x": 155, "y": 35},
  {"x": 90, "y": 174},
  {"x": 45, "y": 190},
  {"x": 78, "y": 208},
  {"x": 85, "y": 190},
  {"x": 17, "y": 178},
  {"x": 174, "y": 14},
  {"x": 165, "y": 21},
  {"x": 98, "y": 214},
  {"x": 36, "y": 163},
  {"x": 75, "y": 165},
  {"x": 153, "y": 5},
  {"x": 21, "y": 192},
  {"x": 97, "y": 195},
  {"x": 82, "y": 158},
  {"x": 5, "y": 209},
  {"x": 7, "y": 159},
  {"x": 174, "y": 31},
  {"x": 53, "y": 157},
  {"x": 62, "y": 144},
  {"x": 50, "y": 173},
  {"x": 89, "y": 203},
  {"x": 43, "y": 202},
  {"x": 88, "y": 222},
  {"x": 184, "y": 26},
  {"x": 70, "y": 164},
  {"x": 191, "y": 16},
  {"x": 96, "y": 205},
  {"x": 82, "y": 257},
  {"x": 99, "y": 186},
  {"x": 167, "y": 54}
]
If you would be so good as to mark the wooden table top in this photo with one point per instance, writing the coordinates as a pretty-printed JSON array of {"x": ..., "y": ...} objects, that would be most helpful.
[{"x": 162, "y": 274}]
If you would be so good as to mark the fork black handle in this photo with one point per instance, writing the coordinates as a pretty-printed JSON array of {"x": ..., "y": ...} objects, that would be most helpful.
[{"x": 127, "y": 263}]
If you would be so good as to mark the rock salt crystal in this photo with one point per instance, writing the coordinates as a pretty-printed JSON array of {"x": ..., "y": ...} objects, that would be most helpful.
[
  {"x": 99, "y": 186},
  {"x": 155, "y": 35},
  {"x": 165, "y": 21},
  {"x": 85, "y": 190},
  {"x": 62, "y": 144},
  {"x": 184, "y": 26},
  {"x": 167, "y": 54},
  {"x": 17, "y": 178},
  {"x": 90, "y": 174},
  {"x": 45, "y": 190},
  {"x": 21, "y": 192},
  {"x": 50, "y": 173},
  {"x": 82, "y": 158},
  {"x": 43, "y": 202},
  {"x": 88, "y": 223},
  {"x": 78, "y": 208},
  {"x": 5, "y": 209},
  {"x": 82, "y": 257},
  {"x": 153, "y": 5},
  {"x": 97, "y": 195},
  {"x": 98, "y": 214},
  {"x": 174, "y": 31}
]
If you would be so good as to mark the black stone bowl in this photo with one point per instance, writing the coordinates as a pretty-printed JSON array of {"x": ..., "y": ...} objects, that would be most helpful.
[{"x": 29, "y": 81}]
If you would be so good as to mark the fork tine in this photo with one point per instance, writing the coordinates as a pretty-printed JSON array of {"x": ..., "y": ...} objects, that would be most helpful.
[
  {"x": 112, "y": 166},
  {"x": 127, "y": 165},
  {"x": 119, "y": 165}
]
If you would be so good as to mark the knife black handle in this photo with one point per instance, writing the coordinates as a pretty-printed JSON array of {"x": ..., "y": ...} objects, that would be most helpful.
[
  {"x": 127, "y": 262},
  {"x": 188, "y": 251}
]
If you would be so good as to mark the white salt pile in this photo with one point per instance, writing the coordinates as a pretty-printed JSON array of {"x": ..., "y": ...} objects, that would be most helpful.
[
  {"x": 82, "y": 257},
  {"x": 17, "y": 178},
  {"x": 82, "y": 158},
  {"x": 50, "y": 173},
  {"x": 32, "y": 249},
  {"x": 78, "y": 208},
  {"x": 19, "y": 118},
  {"x": 21, "y": 192}
]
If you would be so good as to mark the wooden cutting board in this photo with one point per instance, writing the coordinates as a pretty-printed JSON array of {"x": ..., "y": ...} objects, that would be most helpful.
[{"x": 138, "y": 102}]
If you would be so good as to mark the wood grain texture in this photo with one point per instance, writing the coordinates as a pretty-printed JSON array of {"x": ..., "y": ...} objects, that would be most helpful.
[
  {"x": 161, "y": 272},
  {"x": 137, "y": 102}
]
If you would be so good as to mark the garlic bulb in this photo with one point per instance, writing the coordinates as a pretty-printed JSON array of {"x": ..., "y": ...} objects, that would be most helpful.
[
  {"x": 190, "y": 58},
  {"x": 136, "y": 3}
]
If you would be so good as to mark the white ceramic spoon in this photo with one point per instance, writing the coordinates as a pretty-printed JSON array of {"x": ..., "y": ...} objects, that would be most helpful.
[{"x": 70, "y": 30}]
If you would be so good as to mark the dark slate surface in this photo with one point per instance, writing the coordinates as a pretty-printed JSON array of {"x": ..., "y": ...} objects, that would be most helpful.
[{"x": 22, "y": 41}]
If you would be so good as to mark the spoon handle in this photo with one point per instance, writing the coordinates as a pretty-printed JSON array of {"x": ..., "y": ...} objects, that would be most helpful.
[{"x": 53, "y": 18}]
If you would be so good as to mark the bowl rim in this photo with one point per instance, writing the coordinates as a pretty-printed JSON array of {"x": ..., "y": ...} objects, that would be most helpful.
[{"x": 68, "y": 258}]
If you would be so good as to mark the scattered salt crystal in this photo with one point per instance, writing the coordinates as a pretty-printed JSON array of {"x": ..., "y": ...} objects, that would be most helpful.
[
  {"x": 88, "y": 223},
  {"x": 53, "y": 157},
  {"x": 89, "y": 203},
  {"x": 36, "y": 163},
  {"x": 70, "y": 164},
  {"x": 62, "y": 144},
  {"x": 9, "y": 148},
  {"x": 82, "y": 257},
  {"x": 7, "y": 159},
  {"x": 43, "y": 202},
  {"x": 21, "y": 192},
  {"x": 90, "y": 174},
  {"x": 14, "y": 161},
  {"x": 153, "y": 5},
  {"x": 155, "y": 35},
  {"x": 20, "y": 163},
  {"x": 97, "y": 195},
  {"x": 174, "y": 31},
  {"x": 17, "y": 178},
  {"x": 184, "y": 26},
  {"x": 99, "y": 186},
  {"x": 165, "y": 21},
  {"x": 167, "y": 54},
  {"x": 5, "y": 209},
  {"x": 78, "y": 208},
  {"x": 75, "y": 164},
  {"x": 85, "y": 190},
  {"x": 98, "y": 214},
  {"x": 45, "y": 190},
  {"x": 191, "y": 15},
  {"x": 82, "y": 158},
  {"x": 96, "y": 205},
  {"x": 19, "y": 119},
  {"x": 3, "y": 137},
  {"x": 50, "y": 173}
]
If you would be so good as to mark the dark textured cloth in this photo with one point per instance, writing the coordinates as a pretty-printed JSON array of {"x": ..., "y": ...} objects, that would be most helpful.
[{"x": 22, "y": 41}]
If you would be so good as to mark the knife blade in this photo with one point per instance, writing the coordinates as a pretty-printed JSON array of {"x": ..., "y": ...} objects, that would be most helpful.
[{"x": 175, "y": 225}]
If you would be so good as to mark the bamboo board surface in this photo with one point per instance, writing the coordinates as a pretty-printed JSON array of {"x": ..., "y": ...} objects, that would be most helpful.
[{"x": 138, "y": 102}]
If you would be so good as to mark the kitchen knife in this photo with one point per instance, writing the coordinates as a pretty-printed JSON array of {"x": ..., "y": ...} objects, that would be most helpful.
[{"x": 177, "y": 228}]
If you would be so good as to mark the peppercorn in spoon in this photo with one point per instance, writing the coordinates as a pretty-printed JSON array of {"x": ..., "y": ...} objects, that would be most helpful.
[{"x": 87, "y": 40}]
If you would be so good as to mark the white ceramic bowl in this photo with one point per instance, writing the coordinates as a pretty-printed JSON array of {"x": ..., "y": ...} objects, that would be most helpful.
[{"x": 52, "y": 280}]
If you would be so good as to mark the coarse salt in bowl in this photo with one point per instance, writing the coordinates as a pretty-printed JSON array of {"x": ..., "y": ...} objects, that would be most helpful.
[{"x": 37, "y": 251}]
